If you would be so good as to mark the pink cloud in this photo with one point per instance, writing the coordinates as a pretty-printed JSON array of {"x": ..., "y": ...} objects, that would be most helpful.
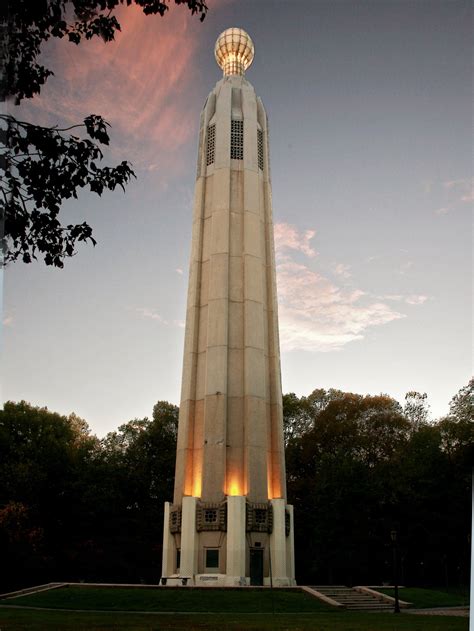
[
  {"x": 411, "y": 299},
  {"x": 344, "y": 271},
  {"x": 461, "y": 191},
  {"x": 416, "y": 299},
  {"x": 139, "y": 83},
  {"x": 145, "y": 312},
  {"x": 287, "y": 237},
  {"x": 149, "y": 313},
  {"x": 314, "y": 313}
]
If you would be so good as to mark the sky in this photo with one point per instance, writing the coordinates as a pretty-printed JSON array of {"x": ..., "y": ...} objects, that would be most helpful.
[{"x": 369, "y": 107}]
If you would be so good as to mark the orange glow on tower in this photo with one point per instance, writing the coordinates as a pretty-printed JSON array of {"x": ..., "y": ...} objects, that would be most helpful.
[
  {"x": 234, "y": 486},
  {"x": 197, "y": 487}
]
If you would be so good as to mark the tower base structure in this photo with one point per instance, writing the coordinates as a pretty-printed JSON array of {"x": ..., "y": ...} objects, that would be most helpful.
[{"x": 230, "y": 544}]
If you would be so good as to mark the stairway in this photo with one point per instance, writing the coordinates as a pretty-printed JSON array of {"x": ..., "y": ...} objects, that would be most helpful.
[{"x": 352, "y": 599}]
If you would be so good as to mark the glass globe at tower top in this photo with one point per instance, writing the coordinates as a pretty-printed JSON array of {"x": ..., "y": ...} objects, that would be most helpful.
[{"x": 234, "y": 51}]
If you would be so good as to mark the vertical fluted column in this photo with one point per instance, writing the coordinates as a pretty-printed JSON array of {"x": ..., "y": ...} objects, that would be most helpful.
[
  {"x": 254, "y": 302},
  {"x": 188, "y": 473},
  {"x": 274, "y": 441},
  {"x": 216, "y": 252}
]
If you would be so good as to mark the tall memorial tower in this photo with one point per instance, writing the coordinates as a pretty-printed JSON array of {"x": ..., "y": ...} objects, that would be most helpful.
[{"x": 229, "y": 523}]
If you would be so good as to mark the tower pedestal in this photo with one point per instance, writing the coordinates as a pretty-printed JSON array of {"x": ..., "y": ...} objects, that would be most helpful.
[
  {"x": 251, "y": 545},
  {"x": 168, "y": 561},
  {"x": 189, "y": 539},
  {"x": 281, "y": 545},
  {"x": 235, "y": 570}
]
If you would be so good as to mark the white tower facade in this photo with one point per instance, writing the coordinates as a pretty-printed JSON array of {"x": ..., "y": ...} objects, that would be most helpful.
[{"x": 229, "y": 523}]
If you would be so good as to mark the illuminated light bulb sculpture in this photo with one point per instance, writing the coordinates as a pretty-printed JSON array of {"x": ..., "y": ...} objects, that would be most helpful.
[
  {"x": 234, "y": 51},
  {"x": 229, "y": 523}
]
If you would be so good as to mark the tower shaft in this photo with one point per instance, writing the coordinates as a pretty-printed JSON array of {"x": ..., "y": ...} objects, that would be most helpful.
[{"x": 230, "y": 439}]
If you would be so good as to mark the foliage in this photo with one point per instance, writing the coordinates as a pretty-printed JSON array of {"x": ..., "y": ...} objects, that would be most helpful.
[
  {"x": 361, "y": 467},
  {"x": 457, "y": 428},
  {"x": 461, "y": 407},
  {"x": 40, "y": 167},
  {"x": 416, "y": 408},
  {"x": 79, "y": 508},
  {"x": 43, "y": 167},
  {"x": 42, "y": 454},
  {"x": 75, "y": 508},
  {"x": 298, "y": 413},
  {"x": 296, "y": 418}
]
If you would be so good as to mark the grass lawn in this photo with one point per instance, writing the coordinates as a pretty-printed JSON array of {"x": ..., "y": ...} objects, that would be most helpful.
[
  {"x": 169, "y": 599},
  {"x": 238, "y": 611},
  {"x": 421, "y": 597},
  {"x": 33, "y": 620}
]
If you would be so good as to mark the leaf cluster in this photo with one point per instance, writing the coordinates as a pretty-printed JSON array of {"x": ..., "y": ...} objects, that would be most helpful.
[
  {"x": 358, "y": 466},
  {"x": 43, "y": 166},
  {"x": 77, "y": 507}
]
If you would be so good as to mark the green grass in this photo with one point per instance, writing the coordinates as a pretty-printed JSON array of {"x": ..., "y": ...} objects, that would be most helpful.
[
  {"x": 233, "y": 610},
  {"x": 22, "y": 620},
  {"x": 169, "y": 599},
  {"x": 421, "y": 597}
]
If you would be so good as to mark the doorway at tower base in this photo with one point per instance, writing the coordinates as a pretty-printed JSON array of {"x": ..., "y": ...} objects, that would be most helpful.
[{"x": 234, "y": 543}]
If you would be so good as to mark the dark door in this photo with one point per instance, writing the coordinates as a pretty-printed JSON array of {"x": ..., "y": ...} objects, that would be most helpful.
[{"x": 256, "y": 566}]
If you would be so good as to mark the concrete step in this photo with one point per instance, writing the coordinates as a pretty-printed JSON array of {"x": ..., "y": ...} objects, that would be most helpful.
[
  {"x": 378, "y": 607},
  {"x": 352, "y": 599},
  {"x": 31, "y": 590},
  {"x": 360, "y": 601},
  {"x": 319, "y": 587}
]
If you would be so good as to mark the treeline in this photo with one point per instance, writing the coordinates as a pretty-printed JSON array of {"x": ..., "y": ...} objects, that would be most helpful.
[
  {"x": 359, "y": 467},
  {"x": 76, "y": 508}
]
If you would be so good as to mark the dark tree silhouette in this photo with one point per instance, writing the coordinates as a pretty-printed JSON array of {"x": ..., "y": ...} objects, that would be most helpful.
[
  {"x": 75, "y": 508},
  {"x": 358, "y": 466}
]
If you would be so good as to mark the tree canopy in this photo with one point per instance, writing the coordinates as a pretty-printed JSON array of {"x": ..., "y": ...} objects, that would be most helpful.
[
  {"x": 40, "y": 167},
  {"x": 73, "y": 507},
  {"x": 359, "y": 466}
]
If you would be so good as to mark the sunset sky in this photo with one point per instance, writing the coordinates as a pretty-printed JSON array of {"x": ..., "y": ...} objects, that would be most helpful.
[{"x": 369, "y": 106}]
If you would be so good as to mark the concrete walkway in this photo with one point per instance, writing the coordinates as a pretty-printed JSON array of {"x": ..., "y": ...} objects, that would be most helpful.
[{"x": 440, "y": 611}]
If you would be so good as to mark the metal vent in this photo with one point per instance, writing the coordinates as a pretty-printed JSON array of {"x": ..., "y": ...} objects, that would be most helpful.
[
  {"x": 237, "y": 140},
  {"x": 211, "y": 516},
  {"x": 211, "y": 144},
  {"x": 175, "y": 519},
  {"x": 260, "y": 148},
  {"x": 259, "y": 517}
]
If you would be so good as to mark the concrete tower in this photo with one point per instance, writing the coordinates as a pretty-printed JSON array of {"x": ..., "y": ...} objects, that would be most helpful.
[{"x": 229, "y": 523}]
